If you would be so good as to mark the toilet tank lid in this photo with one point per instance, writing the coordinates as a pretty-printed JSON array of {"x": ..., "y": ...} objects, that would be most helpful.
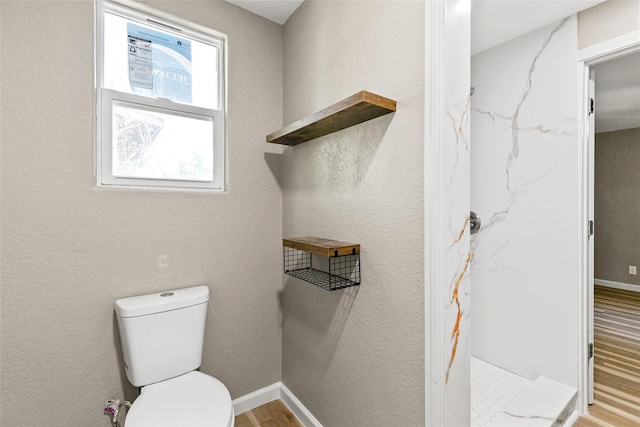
[{"x": 162, "y": 301}]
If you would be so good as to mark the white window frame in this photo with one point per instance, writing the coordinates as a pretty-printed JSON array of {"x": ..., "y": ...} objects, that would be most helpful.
[{"x": 107, "y": 98}]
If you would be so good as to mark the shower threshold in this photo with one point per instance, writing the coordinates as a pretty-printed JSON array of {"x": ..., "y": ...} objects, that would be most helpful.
[{"x": 500, "y": 398}]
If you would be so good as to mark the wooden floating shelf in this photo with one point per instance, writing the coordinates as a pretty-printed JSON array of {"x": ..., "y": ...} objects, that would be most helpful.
[
  {"x": 323, "y": 247},
  {"x": 351, "y": 111}
]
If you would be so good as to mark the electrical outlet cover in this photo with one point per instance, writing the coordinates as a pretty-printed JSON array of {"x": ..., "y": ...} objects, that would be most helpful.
[{"x": 633, "y": 269}]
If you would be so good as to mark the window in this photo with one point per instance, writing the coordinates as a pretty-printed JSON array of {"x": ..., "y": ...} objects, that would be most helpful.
[{"x": 160, "y": 102}]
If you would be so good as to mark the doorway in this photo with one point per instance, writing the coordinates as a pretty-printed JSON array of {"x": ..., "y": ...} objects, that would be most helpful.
[{"x": 603, "y": 58}]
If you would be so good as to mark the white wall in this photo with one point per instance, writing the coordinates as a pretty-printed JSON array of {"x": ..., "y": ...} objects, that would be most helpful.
[
  {"x": 525, "y": 188},
  {"x": 69, "y": 250},
  {"x": 356, "y": 357}
]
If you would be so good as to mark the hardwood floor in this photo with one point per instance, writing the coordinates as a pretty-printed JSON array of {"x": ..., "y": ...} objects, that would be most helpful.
[
  {"x": 617, "y": 360},
  {"x": 272, "y": 414}
]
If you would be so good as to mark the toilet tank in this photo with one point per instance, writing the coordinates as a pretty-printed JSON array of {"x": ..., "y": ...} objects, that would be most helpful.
[{"x": 162, "y": 334}]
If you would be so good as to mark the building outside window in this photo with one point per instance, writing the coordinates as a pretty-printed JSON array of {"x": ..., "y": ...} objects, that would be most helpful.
[{"x": 160, "y": 101}]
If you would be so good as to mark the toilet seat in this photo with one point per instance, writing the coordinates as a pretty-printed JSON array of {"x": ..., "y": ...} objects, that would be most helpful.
[{"x": 190, "y": 400}]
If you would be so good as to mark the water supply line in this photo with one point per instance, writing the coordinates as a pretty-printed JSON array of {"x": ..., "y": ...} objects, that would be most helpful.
[{"x": 112, "y": 408}]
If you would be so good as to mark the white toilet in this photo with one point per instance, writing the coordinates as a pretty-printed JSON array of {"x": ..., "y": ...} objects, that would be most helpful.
[{"x": 162, "y": 336}]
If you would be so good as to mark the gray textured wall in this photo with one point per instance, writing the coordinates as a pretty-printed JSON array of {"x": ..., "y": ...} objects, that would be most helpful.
[
  {"x": 355, "y": 357},
  {"x": 69, "y": 250},
  {"x": 617, "y": 205},
  {"x": 607, "y": 20}
]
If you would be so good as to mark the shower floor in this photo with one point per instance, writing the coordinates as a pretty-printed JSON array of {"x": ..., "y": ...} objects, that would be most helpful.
[{"x": 492, "y": 389}]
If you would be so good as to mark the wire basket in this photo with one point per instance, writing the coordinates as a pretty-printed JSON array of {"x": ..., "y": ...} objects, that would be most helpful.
[{"x": 340, "y": 272}]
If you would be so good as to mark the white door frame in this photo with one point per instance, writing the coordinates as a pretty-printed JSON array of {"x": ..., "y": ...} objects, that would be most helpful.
[
  {"x": 587, "y": 58},
  {"x": 447, "y": 47},
  {"x": 435, "y": 390}
]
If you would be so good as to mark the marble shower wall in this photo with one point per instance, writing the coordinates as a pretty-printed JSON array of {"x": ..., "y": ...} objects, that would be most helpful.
[{"x": 524, "y": 183}]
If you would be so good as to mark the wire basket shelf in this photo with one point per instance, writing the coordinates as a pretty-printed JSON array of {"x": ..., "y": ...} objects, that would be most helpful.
[{"x": 342, "y": 271}]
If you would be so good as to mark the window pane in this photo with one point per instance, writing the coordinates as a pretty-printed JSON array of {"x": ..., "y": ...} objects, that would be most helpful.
[
  {"x": 156, "y": 144},
  {"x": 142, "y": 60}
]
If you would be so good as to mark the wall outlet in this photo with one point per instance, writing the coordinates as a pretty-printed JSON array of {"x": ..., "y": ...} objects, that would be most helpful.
[{"x": 633, "y": 269}]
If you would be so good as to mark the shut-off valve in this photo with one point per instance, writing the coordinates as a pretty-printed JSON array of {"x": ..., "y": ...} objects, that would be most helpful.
[{"x": 112, "y": 408}]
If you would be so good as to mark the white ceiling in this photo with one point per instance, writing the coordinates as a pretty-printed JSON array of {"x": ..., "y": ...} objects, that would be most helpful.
[
  {"x": 494, "y": 22},
  {"x": 275, "y": 10}
]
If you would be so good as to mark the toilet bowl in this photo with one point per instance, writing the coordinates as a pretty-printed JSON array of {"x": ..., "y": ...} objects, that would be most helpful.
[
  {"x": 190, "y": 400},
  {"x": 162, "y": 338}
]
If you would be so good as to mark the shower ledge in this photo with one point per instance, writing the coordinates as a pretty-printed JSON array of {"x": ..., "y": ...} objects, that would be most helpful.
[{"x": 544, "y": 403}]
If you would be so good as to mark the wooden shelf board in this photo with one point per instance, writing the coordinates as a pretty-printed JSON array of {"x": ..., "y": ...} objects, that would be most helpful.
[
  {"x": 351, "y": 111},
  {"x": 324, "y": 247}
]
